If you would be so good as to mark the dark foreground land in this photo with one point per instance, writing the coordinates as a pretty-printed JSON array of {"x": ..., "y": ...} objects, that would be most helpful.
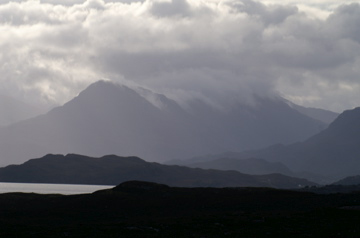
[{"x": 139, "y": 209}]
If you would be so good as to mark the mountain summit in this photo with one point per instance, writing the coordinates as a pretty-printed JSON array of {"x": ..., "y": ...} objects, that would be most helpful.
[{"x": 107, "y": 118}]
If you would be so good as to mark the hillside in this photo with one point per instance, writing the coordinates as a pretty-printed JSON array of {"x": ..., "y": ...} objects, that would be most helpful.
[{"x": 111, "y": 170}]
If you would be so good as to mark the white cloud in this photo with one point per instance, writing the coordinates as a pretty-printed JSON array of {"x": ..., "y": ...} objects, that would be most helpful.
[{"x": 220, "y": 50}]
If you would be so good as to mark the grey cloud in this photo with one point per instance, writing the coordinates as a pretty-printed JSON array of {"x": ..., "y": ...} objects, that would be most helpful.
[
  {"x": 345, "y": 21},
  {"x": 74, "y": 2},
  {"x": 273, "y": 14},
  {"x": 172, "y": 8},
  {"x": 26, "y": 13},
  {"x": 214, "y": 76},
  {"x": 51, "y": 51}
]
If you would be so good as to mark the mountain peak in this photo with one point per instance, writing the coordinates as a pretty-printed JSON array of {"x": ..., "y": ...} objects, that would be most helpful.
[{"x": 104, "y": 88}]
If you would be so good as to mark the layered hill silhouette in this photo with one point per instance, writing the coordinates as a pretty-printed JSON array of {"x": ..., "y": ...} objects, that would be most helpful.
[
  {"x": 229, "y": 161},
  {"x": 334, "y": 152},
  {"x": 107, "y": 118},
  {"x": 111, "y": 170}
]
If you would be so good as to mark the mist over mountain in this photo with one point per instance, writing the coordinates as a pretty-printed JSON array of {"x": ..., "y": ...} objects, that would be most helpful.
[
  {"x": 333, "y": 152},
  {"x": 112, "y": 170},
  {"x": 13, "y": 110},
  {"x": 316, "y": 113},
  {"x": 107, "y": 118}
]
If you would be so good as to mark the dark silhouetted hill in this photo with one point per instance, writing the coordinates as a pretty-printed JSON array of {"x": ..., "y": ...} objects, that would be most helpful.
[{"x": 111, "y": 170}]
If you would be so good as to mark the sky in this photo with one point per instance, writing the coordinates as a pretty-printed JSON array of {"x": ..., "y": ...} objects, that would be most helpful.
[{"x": 219, "y": 50}]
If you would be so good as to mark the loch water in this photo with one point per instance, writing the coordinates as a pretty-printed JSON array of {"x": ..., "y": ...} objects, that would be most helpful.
[{"x": 41, "y": 188}]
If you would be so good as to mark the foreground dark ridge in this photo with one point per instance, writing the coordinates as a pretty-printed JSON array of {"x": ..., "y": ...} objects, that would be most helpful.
[
  {"x": 111, "y": 170},
  {"x": 142, "y": 209}
]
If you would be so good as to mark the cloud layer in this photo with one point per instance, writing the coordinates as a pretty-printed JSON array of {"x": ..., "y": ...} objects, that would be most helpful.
[{"x": 217, "y": 50}]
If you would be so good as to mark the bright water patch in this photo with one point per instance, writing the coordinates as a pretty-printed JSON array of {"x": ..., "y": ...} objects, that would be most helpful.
[{"x": 50, "y": 188}]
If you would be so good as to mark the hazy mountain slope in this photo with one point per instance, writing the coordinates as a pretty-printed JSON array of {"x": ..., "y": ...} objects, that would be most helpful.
[
  {"x": 243, "y": 127},
  {"x": 12, "y": 110},
  {"x": 111, "y": 119},
  {"x": 247, "y": 166},
  {"x": 325, "y": 116},
  {"x": 111, "y": 170},
  {"x": 333, "y": 152}
]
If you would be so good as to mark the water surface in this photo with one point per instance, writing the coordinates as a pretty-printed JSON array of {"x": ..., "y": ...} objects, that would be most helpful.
[{"x": 50, "y": 188}]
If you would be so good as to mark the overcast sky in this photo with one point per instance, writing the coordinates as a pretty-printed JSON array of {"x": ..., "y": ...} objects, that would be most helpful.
[{"x": 306, "y": 51}]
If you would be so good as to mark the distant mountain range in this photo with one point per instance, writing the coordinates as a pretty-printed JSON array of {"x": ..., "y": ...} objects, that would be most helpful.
[
  {"x": 333, "y": 153},
  {"x": 107, "y": 118},
  {"x": 112, "y": 170}
]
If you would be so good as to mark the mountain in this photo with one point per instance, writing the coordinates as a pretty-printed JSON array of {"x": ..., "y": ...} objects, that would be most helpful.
[
  {"x": 107, "y": 118},
  {"x": 247, "y": 166},
  {"x": 334, "y": 152},
  {"x": 12, "y": 110},
  {"x": 111, "y": 170}
]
